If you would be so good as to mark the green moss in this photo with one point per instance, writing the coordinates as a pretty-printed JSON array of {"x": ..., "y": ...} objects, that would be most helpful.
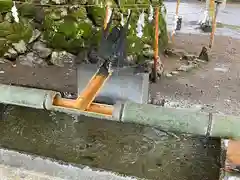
[
  {"x": 68, "y": 28},
  {"x": 233, "y": 27},
  {"x": 84, "y": 30},
  {"x": 76, "y": 30},
  {"x": 5, "y": 28},
  {"x": 3, "y": 46},
  {"x": 27, "y": 10},
  {"x": 79, "y": 14},
  {"x": 58, "y": 41},
  {"x": 163, "y": 38},
  {"x": 75, "y": 45},
  {"x": 1, "y": 18},
  {"x": 5, "y": 5},
  {"x": 96, "y": 37},
  {"x": 13, "y": 32},
  {"x": 67, "y": 34},
  {"x": 16, "y": 31},
  {"x": 97, "y": 15}
]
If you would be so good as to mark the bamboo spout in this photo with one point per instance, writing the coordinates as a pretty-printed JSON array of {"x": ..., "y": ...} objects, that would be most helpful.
[{"x": 93, "y": 107}]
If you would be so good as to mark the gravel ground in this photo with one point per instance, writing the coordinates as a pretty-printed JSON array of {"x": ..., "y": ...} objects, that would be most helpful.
[{"x": 214, "y": 85}]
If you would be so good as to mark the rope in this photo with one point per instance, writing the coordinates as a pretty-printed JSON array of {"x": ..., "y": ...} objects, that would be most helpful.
[
  {"x": 131, "y": 6},
  {"x": 172, "y": 13}
]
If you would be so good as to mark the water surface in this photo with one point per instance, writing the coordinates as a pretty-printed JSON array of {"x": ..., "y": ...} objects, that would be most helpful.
[{"x": 124, "y": 148}]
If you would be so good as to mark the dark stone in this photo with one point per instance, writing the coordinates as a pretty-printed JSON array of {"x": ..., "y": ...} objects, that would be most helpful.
[
  {"x": 179, "y": 24},
  {"x": 204, "y": 54}
]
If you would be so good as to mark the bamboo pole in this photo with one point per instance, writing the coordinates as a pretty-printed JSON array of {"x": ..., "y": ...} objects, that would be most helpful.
[
  {"x": 106, "y": 17},
  {"x": 156, "y": 38},
  {"x": 85, "y": 99},
  {"x": 213, "y": 8}
]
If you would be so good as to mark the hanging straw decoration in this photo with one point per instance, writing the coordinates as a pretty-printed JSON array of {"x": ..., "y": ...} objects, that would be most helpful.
[
  {"x": 140, "y": 24},
  {"x": 205, "y": 18},
  {"x": 129, "y": 12},
  {"x": 175, "y": 21},
  {"x": 150, "y": 16},
  {"x": 15, "y": 12},
  {"x": 206, "y": 13},
  {"x": 122, "y": 20}
]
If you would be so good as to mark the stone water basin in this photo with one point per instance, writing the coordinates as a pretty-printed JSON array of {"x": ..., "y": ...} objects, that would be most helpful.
[{"x": 127, "y": 149}]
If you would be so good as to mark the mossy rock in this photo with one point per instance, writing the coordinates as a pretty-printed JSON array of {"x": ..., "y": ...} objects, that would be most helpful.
[
  {"x": 27, "y": 10},
  {"x": 54, "y": 14},
  {"x": 69, "y": 28},
  {"x": 95, "y": 37},
  {"x": 79, "y": 27},
  {"x": 84, "y": 30},
  {"x": 58, "y": 41},
  {"x": 96, "y": 14},
  {"x": 79, "y": 13},
  {"x": 81, "y": 2},
  {"x": 163, "y": 37},
  {"x": 67, "y": 34},
  {"x": 5, "y": 6},
  {"x": 3, "y": 46},
  {"x": 14, "y": 32},
  {"x": 1, "y": 18}
]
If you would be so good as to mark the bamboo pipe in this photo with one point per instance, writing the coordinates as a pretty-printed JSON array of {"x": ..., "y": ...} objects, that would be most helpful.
[
  {"x": 44, "y": 99},
  {"x": 156, "y": 52},
  {"x": 27, "y": 97},
  {"x": 179, "y": 120},
  {"x": 168, "y": 119},
  {"x": 85, "y": 99},
  {"x": 214, "y": 19},
  {"x": 94, "y": 107}
]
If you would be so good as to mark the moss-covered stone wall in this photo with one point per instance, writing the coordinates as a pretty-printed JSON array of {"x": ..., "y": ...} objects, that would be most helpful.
[{"x": 73, "y": 25}]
